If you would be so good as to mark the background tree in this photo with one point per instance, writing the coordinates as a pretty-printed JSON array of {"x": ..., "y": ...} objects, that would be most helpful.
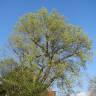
[
  {"x": 47, "y": 49},
  {"x": 92, "y": 87}
]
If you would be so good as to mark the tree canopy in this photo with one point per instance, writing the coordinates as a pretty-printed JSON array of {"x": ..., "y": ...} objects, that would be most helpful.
[{"x": 47, "y": 49}]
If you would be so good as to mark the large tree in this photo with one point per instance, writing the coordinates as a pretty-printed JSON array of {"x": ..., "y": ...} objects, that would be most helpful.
[{"x": 47, "y": 49}]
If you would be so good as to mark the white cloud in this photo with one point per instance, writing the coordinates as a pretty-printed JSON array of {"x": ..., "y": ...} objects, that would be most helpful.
[{"x": 82, "y": 94}]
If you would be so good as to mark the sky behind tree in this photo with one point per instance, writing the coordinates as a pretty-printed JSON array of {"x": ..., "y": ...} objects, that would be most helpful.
[{"x": 79, "y": 12}]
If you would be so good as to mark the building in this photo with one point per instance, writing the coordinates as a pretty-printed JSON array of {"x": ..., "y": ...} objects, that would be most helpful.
[{"x": 51, "y": 93}]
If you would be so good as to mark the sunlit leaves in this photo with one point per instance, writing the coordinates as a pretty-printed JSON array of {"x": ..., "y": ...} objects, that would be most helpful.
[{"x": 50, "y": 48}]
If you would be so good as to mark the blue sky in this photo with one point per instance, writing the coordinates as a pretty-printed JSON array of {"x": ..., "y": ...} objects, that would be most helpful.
[{"x": 78, "y": 12}]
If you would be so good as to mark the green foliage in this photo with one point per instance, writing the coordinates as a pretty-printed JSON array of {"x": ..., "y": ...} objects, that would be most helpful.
[
  {"x": 20, "y": 82},
  {"x": 48, "y": 49}
]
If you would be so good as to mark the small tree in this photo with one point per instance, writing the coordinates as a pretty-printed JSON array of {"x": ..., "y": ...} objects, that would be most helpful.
[
  {"x": 92, "y": 87},
  {"x": 17, "y": 81},
  {"x": 47, "y": 49}
]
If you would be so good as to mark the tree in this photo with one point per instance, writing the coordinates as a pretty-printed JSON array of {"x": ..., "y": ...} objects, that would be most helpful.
[
  {"x": 92, "y": 87},
  {"x": 17, "y": 81},
  {"x": 47, "y": 49}
]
